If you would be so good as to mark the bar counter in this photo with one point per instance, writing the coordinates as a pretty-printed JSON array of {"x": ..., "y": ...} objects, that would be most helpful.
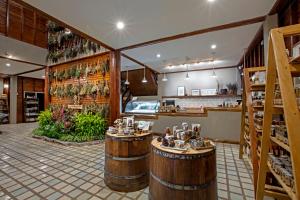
[{"x": 218, "y": 123}]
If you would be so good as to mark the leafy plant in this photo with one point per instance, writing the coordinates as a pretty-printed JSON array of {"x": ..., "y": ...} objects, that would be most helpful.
[
  {"x": 90, "y": 126},
  {"x": 61, "y": 123},
  {"x": 45, "y": 118}
]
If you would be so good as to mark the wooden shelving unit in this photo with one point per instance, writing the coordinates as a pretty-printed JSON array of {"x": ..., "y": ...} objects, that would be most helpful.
[
  {"x": 4, "y": 112},
  {"x": 248, "y": 126},
  {"x": 202, "y": 96},
  {"x": 284, "y": 69},
  {"x": 31, "y": 107}
]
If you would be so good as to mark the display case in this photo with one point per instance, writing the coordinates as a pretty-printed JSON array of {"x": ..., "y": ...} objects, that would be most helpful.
[{"x": 143, "y": 107}]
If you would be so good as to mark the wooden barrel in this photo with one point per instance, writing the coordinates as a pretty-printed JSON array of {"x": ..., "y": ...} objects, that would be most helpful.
[
  {"x": 176, "y": 175},
  {"x": 127, "y": 162}
]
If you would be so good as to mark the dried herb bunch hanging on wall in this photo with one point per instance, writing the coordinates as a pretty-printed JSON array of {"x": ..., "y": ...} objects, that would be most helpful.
[{"x": 64, "y": 45}]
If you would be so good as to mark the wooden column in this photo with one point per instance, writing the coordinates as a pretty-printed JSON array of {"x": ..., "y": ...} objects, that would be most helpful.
[
  {"x": 115, "y": 70},
  {"x": 46, "y": 90}
]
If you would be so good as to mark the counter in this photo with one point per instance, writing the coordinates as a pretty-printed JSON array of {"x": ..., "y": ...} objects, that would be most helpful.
[{"x": 219, "y": 124}]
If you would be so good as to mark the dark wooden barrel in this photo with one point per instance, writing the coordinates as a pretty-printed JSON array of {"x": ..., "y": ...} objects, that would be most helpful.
[
  {"x": 178, "y": 176},
  {"x": 127, "y": 162}
]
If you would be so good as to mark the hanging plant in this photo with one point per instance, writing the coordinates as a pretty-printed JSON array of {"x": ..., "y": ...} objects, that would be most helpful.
[
  {"x": 98, "y": 67},
  {"x": 87, "y": 70},
  {"x": 55, "y": 74},
  {"x": 53, "y": 90},
  {"x": 107, "y": 66},
  {"x": 101, "y": 86},
  {"x": 74, "y": 90},
  {"x": 78, "y": 71},
  {"x": 66, "y": 74},
  {"x": 83, "y": 90},
  {"x": 73, "y": 71},
  {"x": 68, "y": 89},
  {"x": 103, "y": 71},
  {"x": 106, "y": 89},
  {"x": 89, "y": 89},
  {"x": 93, "y": 68},
  {"x": 51, "y": 76}
]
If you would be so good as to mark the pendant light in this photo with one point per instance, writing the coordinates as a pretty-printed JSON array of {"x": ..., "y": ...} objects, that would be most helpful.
[
  {"x": 214, "y": 75},
  {"x": 127, "y": 82},
  {"x": 165, "y": 78},
  {"x": 144, "y": 79},
  {"x": 187, "y": 77}
]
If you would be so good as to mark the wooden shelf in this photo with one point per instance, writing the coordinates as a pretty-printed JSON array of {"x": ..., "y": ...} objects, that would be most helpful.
[
  {"x": 288, "y": 190},
  {"x": 201, "y": 96},
  {"x": 257, "y": 87},
  {"x": 295, "y": 60},
  {"x": 278, "y": 142},
  {"x": 258, "y": 107}
]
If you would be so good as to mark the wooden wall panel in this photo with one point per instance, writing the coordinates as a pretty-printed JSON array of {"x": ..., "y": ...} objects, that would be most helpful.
[
  {"x": 24, "y": 23},
  {"x": 30, "y": 85},
  {"x": 15, "y": 20},
  {"x": 137, "y": 88},
  {"x": 3, "y": 8},
  {"x": 28, "y": 25}
]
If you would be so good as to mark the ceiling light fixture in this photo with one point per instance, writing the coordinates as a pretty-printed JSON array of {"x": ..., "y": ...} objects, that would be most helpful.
[
  {"x": 144, "y": 79},
  {"x": 158, "y": 55},
  {"x": 211, "y": 0},
  {"x": 120, "y": 25},
  {"x": 214, "y": 75},
  {"x": 127, "y": 82},
  {"x": 187, "y": 77},
  {"x": 43, "y": 76},
  {"x": 5, "y": 85},
  {"x": 165, "y": 78},
  {"x": 213, "y": 46},
  {"x": 8, "y": 64}
]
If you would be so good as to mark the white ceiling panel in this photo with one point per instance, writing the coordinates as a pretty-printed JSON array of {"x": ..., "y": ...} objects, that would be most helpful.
[
  {"x": 230, "y": 46},
  {"x": 149, "y": 19}
]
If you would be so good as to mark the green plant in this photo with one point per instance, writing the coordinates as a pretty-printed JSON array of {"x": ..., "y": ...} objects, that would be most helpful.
[
  {"x": 45, "y": 118},
  {"x": 90, "y": 126}
]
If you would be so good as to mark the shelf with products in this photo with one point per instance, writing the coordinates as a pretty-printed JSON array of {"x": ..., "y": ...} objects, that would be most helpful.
[
  {"x": 4, "y": 110},
  {"x": 254, "y": 88},
  {"x": 280, "y": 143},
  {"x": 31, "y": 106}
]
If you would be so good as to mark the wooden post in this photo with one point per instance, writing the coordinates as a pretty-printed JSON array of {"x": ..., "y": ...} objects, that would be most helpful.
[
  {"x": 46, "y": 90},
  {"x": 115, "y": 70}
]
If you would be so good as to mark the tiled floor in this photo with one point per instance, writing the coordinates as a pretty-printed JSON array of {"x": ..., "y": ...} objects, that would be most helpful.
[{"x": 33, "y": 169}]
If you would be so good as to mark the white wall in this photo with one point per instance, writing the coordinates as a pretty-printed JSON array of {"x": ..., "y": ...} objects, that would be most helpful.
[{"x": 198, "y": 80}]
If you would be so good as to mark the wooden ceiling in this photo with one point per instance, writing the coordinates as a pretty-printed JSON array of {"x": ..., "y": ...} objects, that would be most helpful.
[{"x": 23, "y": 23}]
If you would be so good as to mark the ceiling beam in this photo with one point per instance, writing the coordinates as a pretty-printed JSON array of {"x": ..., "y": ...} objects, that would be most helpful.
[
  {"x": 29, "y": 71},
  {"x": 197, "y": 32},
  {"x": 63, "y": 24},
  {"x": 23, "y": 61},
  {"x": 139, "y": 63}
]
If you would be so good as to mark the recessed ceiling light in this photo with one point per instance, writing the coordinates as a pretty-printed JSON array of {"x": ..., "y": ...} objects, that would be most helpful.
[
  {"x": 158, "y": 55},
  {"x": 120, "y": 25},
  {"x": 7, "y": 64},
  {"x": 43, "y": 76},
  {"x": 213, "y": 46},
  {"x": 210, "y": 0}
]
